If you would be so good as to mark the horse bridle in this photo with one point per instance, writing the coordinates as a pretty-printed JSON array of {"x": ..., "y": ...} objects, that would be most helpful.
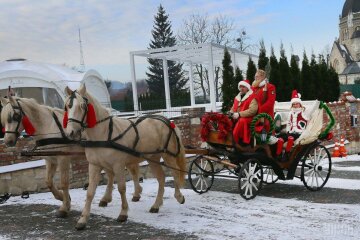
[
  {"x": 82, "y": 123},
  {"x": 17, "y": 117}
]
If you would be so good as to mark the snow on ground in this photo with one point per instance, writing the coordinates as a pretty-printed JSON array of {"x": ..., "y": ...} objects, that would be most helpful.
[{"x": 219, "y": 215}]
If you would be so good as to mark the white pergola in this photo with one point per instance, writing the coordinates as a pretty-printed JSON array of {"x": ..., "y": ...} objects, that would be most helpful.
[{"x": 209, "y": 54}]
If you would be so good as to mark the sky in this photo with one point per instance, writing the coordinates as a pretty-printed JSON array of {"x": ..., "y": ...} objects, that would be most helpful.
[{"x": 47, "y": 31}]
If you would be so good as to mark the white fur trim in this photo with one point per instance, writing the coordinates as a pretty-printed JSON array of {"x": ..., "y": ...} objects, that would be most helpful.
[
  {"x": 295, "y": 100},
  {"x": 262, "y": 83},
  {"x": 245, "y": 84}
]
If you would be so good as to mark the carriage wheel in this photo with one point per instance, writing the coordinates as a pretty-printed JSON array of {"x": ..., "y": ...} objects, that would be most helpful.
[
  {"x": 269, "y": 176},
  {"x": 250, "y": 179},
  {"x": 201, "y": 174},
  {"x": 316, "y": 168}
]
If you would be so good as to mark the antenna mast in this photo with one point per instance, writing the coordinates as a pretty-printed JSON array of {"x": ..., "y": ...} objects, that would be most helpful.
[{"x": 82, "y": 63}]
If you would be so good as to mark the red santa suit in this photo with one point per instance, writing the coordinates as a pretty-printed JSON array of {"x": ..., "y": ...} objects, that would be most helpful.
[
  {"x": 297, "y": 117},
  {"x": 266, "y": 97},
  {"x": 247, "y": 108}
]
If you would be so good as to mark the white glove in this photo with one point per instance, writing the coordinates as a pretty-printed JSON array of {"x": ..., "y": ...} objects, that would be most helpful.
[{"x": 236, "y": 115}]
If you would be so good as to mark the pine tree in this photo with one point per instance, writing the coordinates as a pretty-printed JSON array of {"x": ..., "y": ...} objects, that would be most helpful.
[
  {"x": 238, "y": 77},
  {"x": 229, "y": 87},
  {"x": 306, "y": 79},
  {"x": 295, "y": 73},
  {"x": 315, "y": 81},
  {"x": 263, "y": 59},
  {"x": 274, "y": 70},
  {"x": 251, "y": 70},
  {"x": 323, "y": 84},
  {"x": 334, "y": 89},
  {"x": 163, "y": 37},
  {"x": 285, "y": 85}
]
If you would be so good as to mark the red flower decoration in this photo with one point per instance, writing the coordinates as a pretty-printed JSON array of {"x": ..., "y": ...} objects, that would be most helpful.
[{"x": 215, "y": 122}]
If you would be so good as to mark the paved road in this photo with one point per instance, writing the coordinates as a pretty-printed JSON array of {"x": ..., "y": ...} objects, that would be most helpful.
[{"x": 38, "y": 222}]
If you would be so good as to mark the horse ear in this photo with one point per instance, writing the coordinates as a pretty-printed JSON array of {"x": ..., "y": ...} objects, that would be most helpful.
[
  {"x": 82, "y": 89},
  {"x": 68, "y": 91}
]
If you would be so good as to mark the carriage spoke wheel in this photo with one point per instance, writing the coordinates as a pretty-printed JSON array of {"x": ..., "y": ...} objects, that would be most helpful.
[
  {"x": 250, "y": 179},
  {"x": 269, "y": 176},
  {"x": 316, "y": 168},
  {"x": 201, "y": 174}
]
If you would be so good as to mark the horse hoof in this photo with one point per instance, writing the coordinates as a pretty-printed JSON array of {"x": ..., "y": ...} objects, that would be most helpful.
[
  {"x": 103, "y": 204},
  {"x": 135, "y": 199},
  {"x": 183, "y": 200},
  {"x": 61, "y": 214},
  {"x": 154, "y": 210},
  {"x": 80, "y": 226},
  {"x": 122, "y": 218}
]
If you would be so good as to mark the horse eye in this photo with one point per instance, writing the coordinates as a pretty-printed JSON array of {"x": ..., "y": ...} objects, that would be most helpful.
[
  {"x": 83, "y": 105},
  {"x": 17, "y": 117},
  {"x": 9, "y": 119}
]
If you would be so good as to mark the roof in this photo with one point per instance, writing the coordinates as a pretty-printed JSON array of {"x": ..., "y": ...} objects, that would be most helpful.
[
  {"x": 21, "y": 73},
  {"x": 197, "y": 54},
  {"x": 344, "y": 52},
  {"x": 350, "y": 6},
  {"x": 353, "y": 68}
]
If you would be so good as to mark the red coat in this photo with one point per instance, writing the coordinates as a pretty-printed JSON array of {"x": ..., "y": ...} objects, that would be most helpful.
[
  {"x": 297, "y": 122},
  {"x": 266, "y": 100},
  {"x": 242, "y": 127}
]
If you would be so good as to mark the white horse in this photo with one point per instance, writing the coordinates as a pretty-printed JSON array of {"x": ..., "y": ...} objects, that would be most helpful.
[
  {"x": 43, "y": 121},
  {"x": 114, "y": 142}
]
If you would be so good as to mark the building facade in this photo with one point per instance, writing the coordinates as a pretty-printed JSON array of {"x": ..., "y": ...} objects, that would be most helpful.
[{"x": 345, "y": 52}]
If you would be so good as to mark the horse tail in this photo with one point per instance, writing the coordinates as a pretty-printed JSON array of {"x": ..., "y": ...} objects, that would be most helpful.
[{"x": 181, "y": 160}]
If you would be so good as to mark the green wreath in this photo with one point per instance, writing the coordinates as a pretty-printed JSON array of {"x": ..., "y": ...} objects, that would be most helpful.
[{"x": 257, "y": 135}]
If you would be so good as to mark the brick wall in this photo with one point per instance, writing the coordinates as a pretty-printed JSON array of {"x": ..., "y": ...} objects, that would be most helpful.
[{"x": 341, "y": 112}]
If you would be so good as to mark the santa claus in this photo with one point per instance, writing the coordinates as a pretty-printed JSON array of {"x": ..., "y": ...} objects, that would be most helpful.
[{"x": 245, "y": 107}]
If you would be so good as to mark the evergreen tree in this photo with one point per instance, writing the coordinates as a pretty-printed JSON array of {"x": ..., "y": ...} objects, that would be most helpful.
[
  {"x": 274, "y": 70},
  {"x": 295, "y": 73},
  {"x": 251, "y": 70},
  {"x": 334, "y": 90},
  {"x": 263, "y": 59},
  {"x": 163, "y": 37},
  {"x": 229, "y": 87},
  {"x": 322, "y": 82},
  {"x": 315, "y": 78},
  {"x": 306, "y": 79},
  {"x": 238, "y": 77},
  {"x": 285, "y": 85}
]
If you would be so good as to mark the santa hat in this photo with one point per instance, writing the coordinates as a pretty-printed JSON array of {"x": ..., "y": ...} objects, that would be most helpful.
[
  {"x": 245, "y": 83},
  {"x": 295, "y": 97}
]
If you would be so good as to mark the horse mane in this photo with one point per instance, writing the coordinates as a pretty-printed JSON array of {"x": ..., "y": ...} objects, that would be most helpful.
[
  {"x": 100, "y": 110},
  {"x": 33, "y": 108}
]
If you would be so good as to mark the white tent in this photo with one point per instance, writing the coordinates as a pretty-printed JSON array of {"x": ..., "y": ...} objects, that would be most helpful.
[{"x": 46, "y": 82}]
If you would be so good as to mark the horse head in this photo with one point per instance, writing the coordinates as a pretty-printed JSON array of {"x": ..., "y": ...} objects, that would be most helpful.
[
  {"x": 11, "y": 120},
  {"x": 79, "y": 112}
]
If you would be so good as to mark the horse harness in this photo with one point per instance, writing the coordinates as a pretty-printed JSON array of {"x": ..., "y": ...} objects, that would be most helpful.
[
  {"x": 16, "y": 117},
  {"x": 111, "y": 142}
]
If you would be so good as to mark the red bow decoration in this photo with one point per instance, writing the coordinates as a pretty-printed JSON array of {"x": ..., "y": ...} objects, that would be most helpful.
[
  {"x": 172, "y": 125},
  {"x": 91, "y": 116},
  {"x": 65, "y": 119},
  {"x": 29, "y": 128},
  {"x": 3, "y": 130}
]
